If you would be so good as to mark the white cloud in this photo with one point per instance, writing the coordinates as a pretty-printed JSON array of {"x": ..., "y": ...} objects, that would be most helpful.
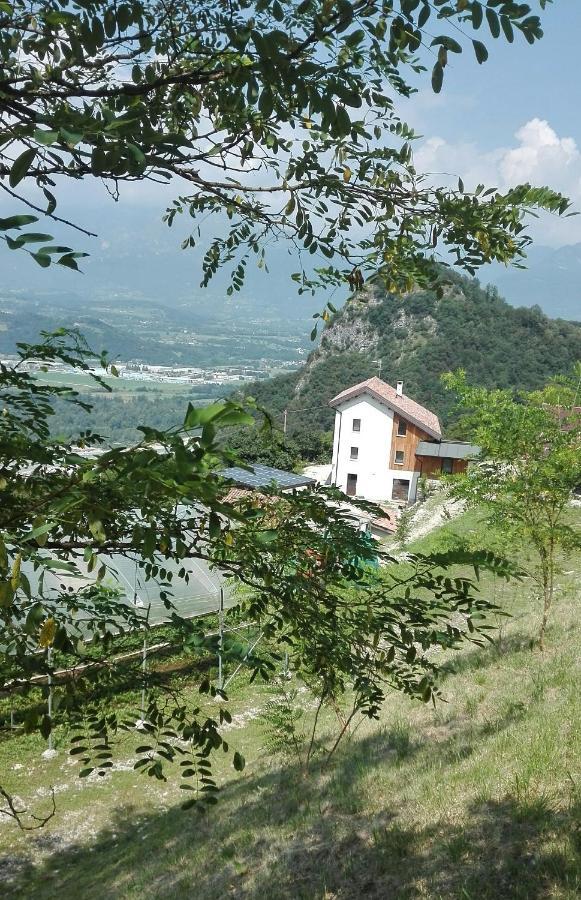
[{"x": 539, "y": 156}]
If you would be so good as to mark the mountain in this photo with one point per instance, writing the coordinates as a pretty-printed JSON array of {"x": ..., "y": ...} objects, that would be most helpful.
[
  {"x": 139, "y": 297},
  {"x": 414, "y": 339},
  {"x": 139, "y": 260},
  {"x": 135, "y": 330},
  {"x": 552, "y": 280}
]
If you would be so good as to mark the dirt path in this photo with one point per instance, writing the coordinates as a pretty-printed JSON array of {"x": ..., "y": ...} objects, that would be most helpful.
[{"x": 436, "y": 510}]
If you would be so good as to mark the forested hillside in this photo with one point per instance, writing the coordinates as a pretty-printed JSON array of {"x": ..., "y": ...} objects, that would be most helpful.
[
  {"x": 416, "y": 338},
  {"x": 117, "y": 416}
]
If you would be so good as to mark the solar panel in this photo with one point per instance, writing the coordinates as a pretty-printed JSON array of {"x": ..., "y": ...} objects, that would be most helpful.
[{"x": 260, "y": 476}]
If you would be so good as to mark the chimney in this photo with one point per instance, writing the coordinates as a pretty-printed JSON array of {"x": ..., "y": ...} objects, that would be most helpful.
[{"x": 399, "y": 388}]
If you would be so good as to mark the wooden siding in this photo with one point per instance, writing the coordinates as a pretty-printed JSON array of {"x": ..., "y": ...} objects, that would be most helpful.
[
  {"x": 426, "y": 465},
  {"x": 408, "y": 444},
  {"x": 432, "y": 466}
]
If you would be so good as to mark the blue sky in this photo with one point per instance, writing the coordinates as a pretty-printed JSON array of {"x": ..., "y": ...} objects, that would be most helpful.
[
  {"x": 488, "y": 103},
  {"x": 515, "y": 118}
]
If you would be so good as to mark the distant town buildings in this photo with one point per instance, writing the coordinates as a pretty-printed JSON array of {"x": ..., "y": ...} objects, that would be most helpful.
[{"x": 147, "y": 372}]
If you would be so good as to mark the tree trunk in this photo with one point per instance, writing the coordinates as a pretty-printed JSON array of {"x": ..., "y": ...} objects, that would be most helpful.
[{"x": 548, "y": 573}]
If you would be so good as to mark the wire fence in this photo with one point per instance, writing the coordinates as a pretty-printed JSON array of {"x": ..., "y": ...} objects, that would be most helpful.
[
  {"x": 217, "y": 602},
  {"x": 155, "y": 615}
]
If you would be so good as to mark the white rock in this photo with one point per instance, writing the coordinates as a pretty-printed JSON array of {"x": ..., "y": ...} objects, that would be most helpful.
[{"x": 49, "y": 754}]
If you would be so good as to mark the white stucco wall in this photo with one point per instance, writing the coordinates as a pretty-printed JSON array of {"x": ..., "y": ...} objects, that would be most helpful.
[{"x": 374, "y": 477}]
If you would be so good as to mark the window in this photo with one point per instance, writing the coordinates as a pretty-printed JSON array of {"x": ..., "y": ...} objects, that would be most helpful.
[
  {"x": 356, "y": 424},
  {"x": 351, "y": 485},
  {"x": 447, "y": 466},
  {"x": 400, "y": 490},
  {"x": 399, "y": 457},
  {"x": 402, "y": 428},
  {"x": 354, "y": 453}
]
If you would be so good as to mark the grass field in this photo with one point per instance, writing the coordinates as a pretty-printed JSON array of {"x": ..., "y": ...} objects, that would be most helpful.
[
  {"x": 479, "y": 797},
  {"x": 120, "y": 386}
]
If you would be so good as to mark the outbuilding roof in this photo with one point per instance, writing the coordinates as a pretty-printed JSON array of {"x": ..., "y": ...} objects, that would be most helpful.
[
  {"x": 448, "y": 449},
  {"x": 402, "y": 404},
  {"x": 260, "y": 476}
]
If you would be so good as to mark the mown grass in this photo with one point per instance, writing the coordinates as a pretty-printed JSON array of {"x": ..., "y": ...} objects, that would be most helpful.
[
  {"x": 479, "y": 797},
  {"x": 81, "y": 382}
]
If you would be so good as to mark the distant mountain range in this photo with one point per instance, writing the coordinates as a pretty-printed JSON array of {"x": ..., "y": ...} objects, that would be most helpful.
[
  {"x": 141, "y": 262},
  {"x": 139, "y": 296},
  {"x": 552, "y": 280}
]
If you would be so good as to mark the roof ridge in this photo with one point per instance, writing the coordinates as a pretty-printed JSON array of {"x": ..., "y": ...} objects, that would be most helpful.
[{"x": 406, "y": 406}]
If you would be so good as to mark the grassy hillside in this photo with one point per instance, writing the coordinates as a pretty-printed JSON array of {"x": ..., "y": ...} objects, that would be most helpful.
[
  {"x": 476, "y": 799},
  {"x": 418, "y": 337}
]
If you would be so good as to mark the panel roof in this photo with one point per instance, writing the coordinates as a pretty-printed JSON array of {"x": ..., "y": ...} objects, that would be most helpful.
[
  {"x": 402, "y": 404},
  {"x": 449, "y": 449},
  {"x": 260, "y": 476}
]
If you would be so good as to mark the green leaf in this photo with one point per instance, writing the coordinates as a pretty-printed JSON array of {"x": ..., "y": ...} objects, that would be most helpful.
[
  {"x": 70, "y": 138},
  {"x": 35, "y": 617},
  {"x": 507, "y": 28},
  {"x": 69, "y": 261},
  {"x": 493, "y": 22},
  {"x": 437, "y": 78},
  {"x": 46, "y": 138},
  {"x": 477, "y": 14},
  {"x": 424, "y": 15},
  {"x": 16, "y": 222},
  {"x": 6, "y": 593},
  {"x": 239, "y": 761},
  {"x": 51, "y": 201},
  {"x": 96, "y": 529},
  {"x": 217, "y": 413},
  {"x": 480, "y": 51},
  {"x": 137, "y": 154},
  {"x": 214, "y": 527},
  {"x": 42, "y": 260},
  {"x": 32, "y": 237},
  {"x": 447, "y": 42},
  {"x": 21, "y": 166}
]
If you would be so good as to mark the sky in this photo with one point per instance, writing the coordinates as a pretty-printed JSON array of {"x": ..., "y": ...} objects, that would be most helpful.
[{"x": 515, "y": 118}]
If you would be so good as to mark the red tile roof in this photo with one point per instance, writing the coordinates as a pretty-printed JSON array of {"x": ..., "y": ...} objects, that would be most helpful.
[
  {"x": 235, "y": 494},
  {"x": 385, "y": 393},
  {"x": 386, "y": 523}
]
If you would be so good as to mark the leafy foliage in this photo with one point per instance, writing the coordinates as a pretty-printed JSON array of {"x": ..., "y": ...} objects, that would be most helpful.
[
  {"x": 531, "y": 462},
  {"x": 269, "y": 445},
  {"x": 404, "y": 527},
  {"x": 276, "y": 116},
  {"x": 282, "y": 719},
  {"x": 67, "y": 508}
]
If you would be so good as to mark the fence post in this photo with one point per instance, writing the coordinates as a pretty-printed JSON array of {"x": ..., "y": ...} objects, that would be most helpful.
[
  {"x": 220, "y": 639},
  {"x": 144, "y": 672},
  {"x": 50, "y": 752},
  {"x": 49, "y": 710}
]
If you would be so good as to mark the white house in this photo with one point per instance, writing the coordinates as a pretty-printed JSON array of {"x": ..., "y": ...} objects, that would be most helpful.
[{"x": 384, "y": 441}]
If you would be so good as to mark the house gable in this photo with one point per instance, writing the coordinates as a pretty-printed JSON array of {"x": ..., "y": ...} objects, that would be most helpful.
[{"x": 404, "y": 406}]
